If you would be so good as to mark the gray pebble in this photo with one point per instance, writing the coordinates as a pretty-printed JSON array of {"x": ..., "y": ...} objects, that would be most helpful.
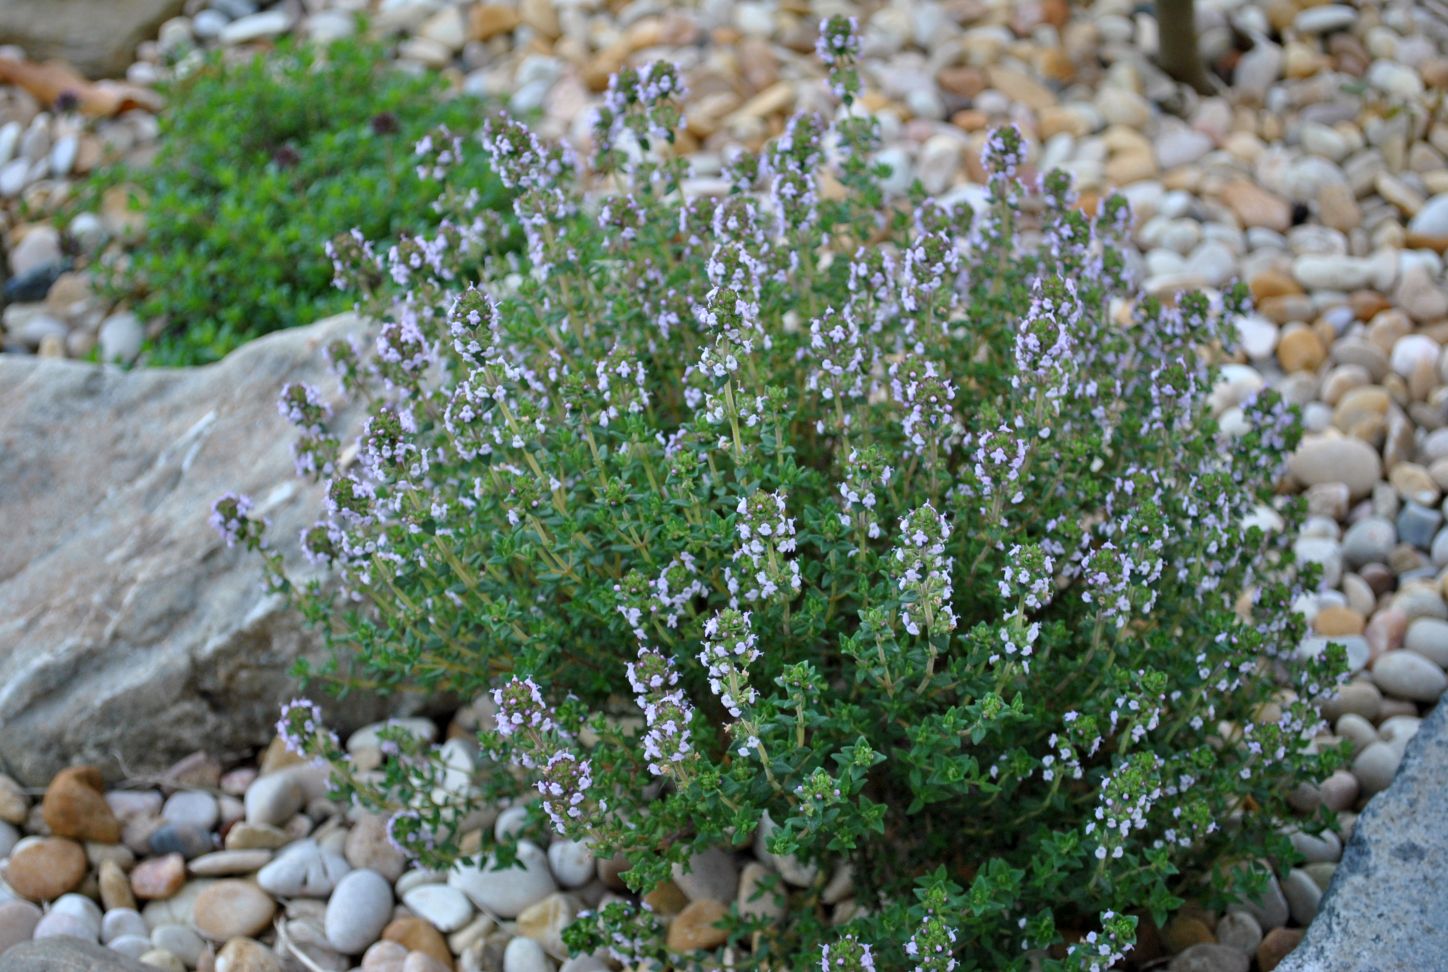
[
  {"x": 131, "y": 946},
  {"x": 180, "y": 941},
  {"x": 1323, "y": 848},
  {"x": 1302, "y": 895},
  {"x": 209, "y": 23},
  {"x": 710, "y": 874},
  {"x": 273, "y": 799},
  {"x": 1408, "y": 675},
  {"x": 303, "y": 869},
  {"x": 525, "y": 955},
  {"x": 1270, "y": 909},
  {"x": 122, "y": 921},
  {"x": 1429, "y": 637},
  {"x": 189, "y": 842},
  {"x": 1375, "y": 766},
  {"x": 191, "y": 808},
  {"x": 1210, "y": 957},
  {"x": 1239, "y": 930},
  {"x": 1418, "y": 523},
  {"x": 1368, "y": 541}
]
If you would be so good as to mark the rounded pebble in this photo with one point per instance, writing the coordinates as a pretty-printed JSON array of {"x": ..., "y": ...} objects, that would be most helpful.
[
  {"x": 358, "y": 911},
  {"x": 233, "y": 909},
  {"x": 506, "y": 893},
  {"x": 1408, "y": 675}
]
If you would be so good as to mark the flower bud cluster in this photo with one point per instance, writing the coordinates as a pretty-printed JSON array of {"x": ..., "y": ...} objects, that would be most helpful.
[
  {"x": 763, "y": 568},
  {"x": 730, "y": 647},
  {"x": 867, "y": 474},
  {"x": 668, "y": 740},
  {"x": 847, "y": 954},
  {"x": 923, "y": 572},
  {"x": 837, "y": 46},
  {"x": 231, "y": 519}
]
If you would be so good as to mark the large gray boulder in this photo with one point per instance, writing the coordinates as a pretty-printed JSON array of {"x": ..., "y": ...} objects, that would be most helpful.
[
  {"x": 1387, "y": 907},
  {"x": 97, "y": 36},
  {"x": 130, "y": 634},
  {"x": 66, "y": 955}
]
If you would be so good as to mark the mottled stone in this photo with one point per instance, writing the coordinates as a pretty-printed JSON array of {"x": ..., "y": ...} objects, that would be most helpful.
[
  {"x": 1389, "y": 895},
  {"x": 155, "y": 635},
  {"x": 67, "y": 955}
]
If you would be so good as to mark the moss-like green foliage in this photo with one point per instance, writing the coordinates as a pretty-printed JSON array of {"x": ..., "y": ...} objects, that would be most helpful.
[{"x": 260, "y": 163}]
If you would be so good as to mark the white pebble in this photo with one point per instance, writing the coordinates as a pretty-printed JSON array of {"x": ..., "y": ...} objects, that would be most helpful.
[{"x": 572, "y": 862}]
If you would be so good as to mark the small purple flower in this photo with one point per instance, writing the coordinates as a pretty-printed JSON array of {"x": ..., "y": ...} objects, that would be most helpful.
[
  {"x": 300, "y": 724},
  {"x": 302, "y": 405},
  {"x": 437, "y": 152},
  {"x": 229, "y": 517},
  {"x": 847, "y": 954},
  {"x": 730, "y": 646},
  {"x": 763, "y": 568},
  {"x": 565, "y": 783},
  {"x": 667, "y": 713},
  {"x": 1005, "y": 150},
  {"x": 923, "y": 572},
  {"x": 407, "y": 833},
  {"x": 837, "y": 47},
  {"x": 521, "y": 706}
]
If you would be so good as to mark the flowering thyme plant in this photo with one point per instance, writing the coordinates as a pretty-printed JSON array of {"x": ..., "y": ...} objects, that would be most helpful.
[{"x": 902, "y": 532}]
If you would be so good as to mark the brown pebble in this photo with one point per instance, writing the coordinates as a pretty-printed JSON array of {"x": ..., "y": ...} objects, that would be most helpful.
[
  {"x": 75, "y": 806},
  {"x": 1434, "y": 71},
  {"x": 233, "y": 909},
  {"x": 1275, "y": 947},
  {"x": 695, "y": 927},
  {"x": 115, "y": 887},
  {"x": 611, "y": 871},
  {"x": 1336, "y": 620},
  {"x": 1300, "y": 349},
  {"x": 418, "y": 935},
  {"x": 970, "y": 119},
  {"x": 1367, "y": 304},
  {"x": 488, "y": 20},
  {"x": 159, "y": 877},
  {"x": 666, "y": 899},
  {"x": 1184, "y": 931},
  {"x": 962, "y": 81},
  {"x": 45, "y": 868},
  {"x": 1255, "y": 206},
  {"x": 277, "y": 756},
  {"x": 1273, "y": 283}
]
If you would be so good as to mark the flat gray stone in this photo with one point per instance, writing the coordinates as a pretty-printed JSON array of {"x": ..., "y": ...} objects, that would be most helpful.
[
  {"x": 1387, "y": 907},
  {"x": 128, "y": 630},
  {"x": 97, "y": 36},
  {"x": 67, "y": 955}
]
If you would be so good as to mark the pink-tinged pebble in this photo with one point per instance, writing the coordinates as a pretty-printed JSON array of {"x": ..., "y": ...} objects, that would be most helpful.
[
  {"x": 1385, "y": 632},
  {"x": 17, "y": 923},
  {"x": 159, "y": 877},
  {"x": 235, "y": 782}
]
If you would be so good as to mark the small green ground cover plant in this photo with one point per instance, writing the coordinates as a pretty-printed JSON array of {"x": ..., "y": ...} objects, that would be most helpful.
[
  {"x": 900, "y": 530},
  {"x": 263, "y": 160}
]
